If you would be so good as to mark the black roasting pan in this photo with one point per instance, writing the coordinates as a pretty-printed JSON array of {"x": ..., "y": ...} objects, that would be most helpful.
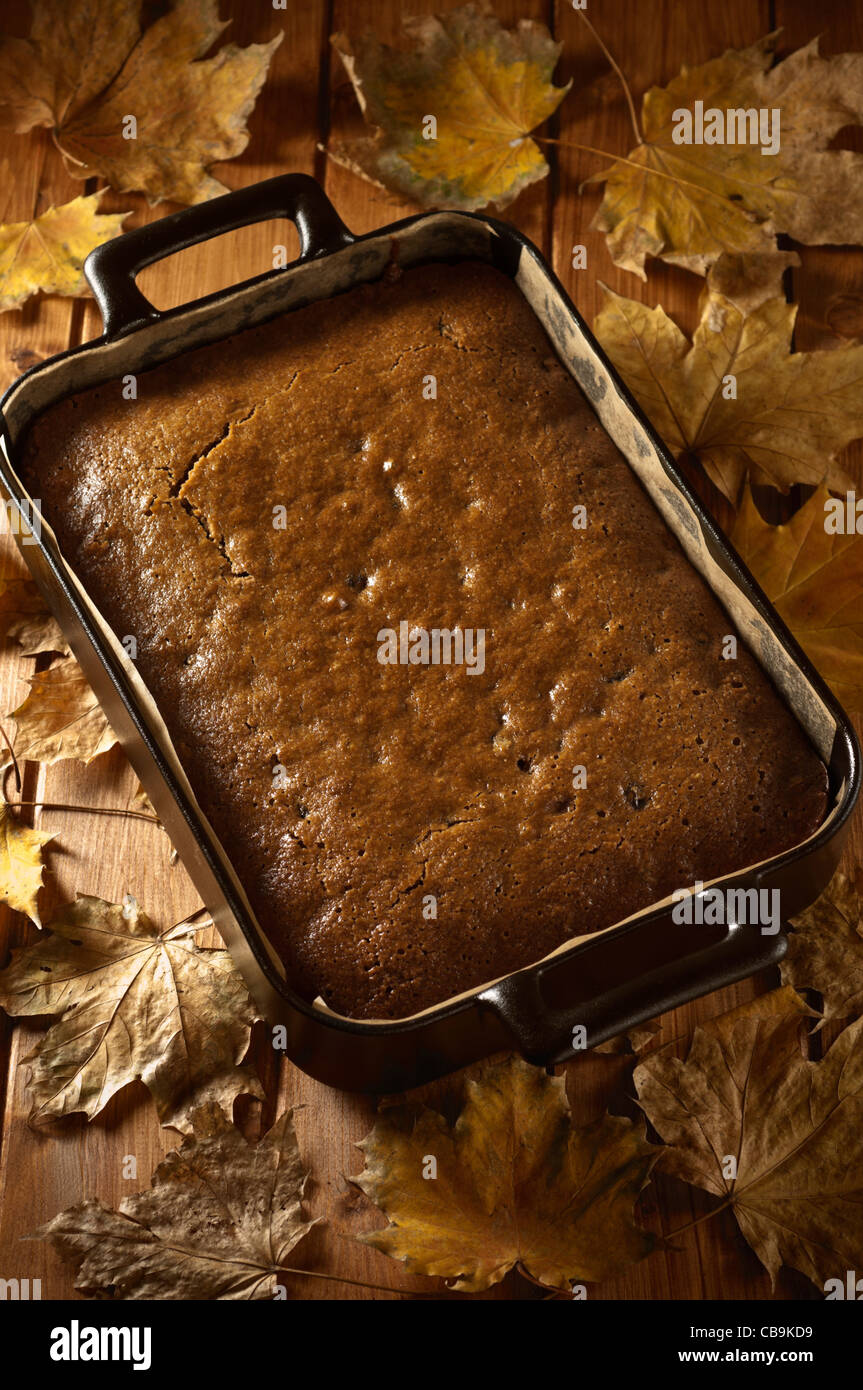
[{"x": 608, "y": 982}]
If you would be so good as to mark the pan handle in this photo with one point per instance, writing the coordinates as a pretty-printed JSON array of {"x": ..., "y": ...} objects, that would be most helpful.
[
  {"x": 111, "y": 269},
  {"x": 614, "y": 982}
]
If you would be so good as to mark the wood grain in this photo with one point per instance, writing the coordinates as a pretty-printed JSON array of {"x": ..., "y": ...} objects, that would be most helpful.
[{"x": 308, "y": 100}]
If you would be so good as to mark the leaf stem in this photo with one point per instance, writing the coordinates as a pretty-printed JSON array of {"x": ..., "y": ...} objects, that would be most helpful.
[
  {"x": 627, "y": 91},
  {"x": 546, "y": 1288},
  {"x": 64, "y": 154},
  {"x": 343, "y": 1279},
  {"x": 88, "y": 810},
  {"x": 589, "y": 149},
  {"x": 18, "y": 782},
  {"x": 707, "y": 1216}
]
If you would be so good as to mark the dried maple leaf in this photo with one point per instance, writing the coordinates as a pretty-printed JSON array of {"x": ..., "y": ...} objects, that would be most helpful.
[
  {"x": 20, "y": 863},
  {"x": 636, "y": 1040},
  {"x": 485, "y": 87},
  {"x": 27, "y": 620},
  {"x": 746, "y": 1097},
  {"x": 48, "y": 253},
  {"x": 776, "y": 1003},
  {"x": 737, "y": 398},
  {"x": 87, "y": 68},
  {"x": 515, "y": 1184},
  {"x": 748, "y": 280},
  {"x": 141, "y": 801},
  {"x": 61, "y": 717},
  {"x": 130, "y": 1003},
  {"x": 74, "y": 51},
  {"x": 218, "y": 1222},
  {"x": 687, "y": 203},
  {"x": 815, "y": 580},
  {"x": 826, "y": 948}
]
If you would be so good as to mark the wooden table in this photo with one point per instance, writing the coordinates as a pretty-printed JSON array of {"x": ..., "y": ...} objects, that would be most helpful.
[{"x": 307, "y": 100}]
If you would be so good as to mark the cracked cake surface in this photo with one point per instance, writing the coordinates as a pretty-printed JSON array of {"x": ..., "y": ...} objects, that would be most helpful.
[{"x": 269, "y": 505}]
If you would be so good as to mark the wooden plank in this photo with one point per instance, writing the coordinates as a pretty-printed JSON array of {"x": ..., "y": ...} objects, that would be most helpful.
[
  {"x": 35, "y": 180},
  {"x": 110, "y": 856},
  {"x": 39, "y": 329}
]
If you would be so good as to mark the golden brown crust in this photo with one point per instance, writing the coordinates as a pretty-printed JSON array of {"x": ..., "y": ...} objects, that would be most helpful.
[{"x": 603, "y": 645}]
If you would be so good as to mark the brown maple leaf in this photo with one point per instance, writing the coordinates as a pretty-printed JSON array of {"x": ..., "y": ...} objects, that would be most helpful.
[
  {"x": 141, "y": 801},
  {"x": 487, "y": 87},
  {"x": 814, "y": 577},
  {"x": 825, "y": 949},
  {"x": 87, "y": 68},
  {"x": 749, "y": 1120},
  {"x": 515, "y": 1184},
  {"x": 736, "y": 398},
  {"x": 61, "y": 717},
  {"x": 20, "y": 863},
  {"x": 26, "y": 617},
  {"x": 130, "y": 1003},
  {"x": 218, "y": 1222},
  {"x": 48, "y": 252},
  {"x": 689, "y": 202}
]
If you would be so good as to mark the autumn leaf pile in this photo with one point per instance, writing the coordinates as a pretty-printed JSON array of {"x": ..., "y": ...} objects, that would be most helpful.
[
  {"x": 84, "y": 70},
  {"x": 512, "y": 1183},
  {"x": 516, "y": 1185},
  {"x": 690, "y": 204}
]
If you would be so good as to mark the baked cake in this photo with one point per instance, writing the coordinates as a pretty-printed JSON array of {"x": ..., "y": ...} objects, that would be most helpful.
[{"x": 279, "y": 518}]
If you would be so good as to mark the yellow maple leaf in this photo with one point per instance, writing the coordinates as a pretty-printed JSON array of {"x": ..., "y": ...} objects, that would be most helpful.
[
  {"x": 87, "y": 68},
  {"x": 687, "y": 203},
  {"x": 452, "y": 117},
  {"x": 516, "y": 1184},
  {"x": 20, "y": 863},
  {"x": 61, "y": 717},
  {"x": 48, "y": 253},
  {"x": 736, "y": 398},
  {"x": 814, "y": 577}
]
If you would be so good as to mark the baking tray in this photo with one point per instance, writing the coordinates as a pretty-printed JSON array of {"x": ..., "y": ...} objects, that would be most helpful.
[{"x": 608, "y": 982}]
